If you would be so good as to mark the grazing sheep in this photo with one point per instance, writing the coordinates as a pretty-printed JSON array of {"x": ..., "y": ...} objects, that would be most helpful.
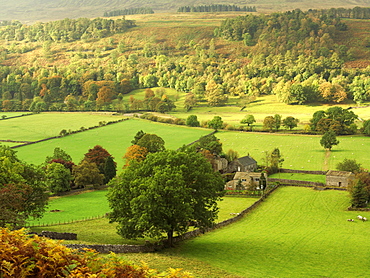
[
  {"x": 364, "y": 219},
  {"x": 359, "y": 217},
  {"x": 350, "y": 220}
]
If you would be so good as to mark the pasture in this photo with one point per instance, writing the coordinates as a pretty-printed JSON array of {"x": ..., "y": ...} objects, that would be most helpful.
[
  {"x": 301, "y": 152},
  {"x": 116, "y": 138},
  {"x": 100, "y": 231},
  {"x": 299, "y": 177},
  {"x": 40, "y": 126},
  {"x": 296, "y": 232},
  {"x": 260, "y": 108},
  {"x": 74, "y": 207}
]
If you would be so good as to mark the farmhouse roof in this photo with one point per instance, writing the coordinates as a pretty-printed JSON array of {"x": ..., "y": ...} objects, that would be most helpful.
[
  {"x": 247, "y": 160},
  {"x": 241, "y": 175},
  {"x": 339, "y": 173}
]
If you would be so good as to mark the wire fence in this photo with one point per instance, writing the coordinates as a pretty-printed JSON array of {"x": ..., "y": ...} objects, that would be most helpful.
[{"x": 63, "y": 222}]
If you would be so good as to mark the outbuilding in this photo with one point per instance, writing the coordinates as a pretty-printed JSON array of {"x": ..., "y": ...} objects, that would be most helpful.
[{"x": 339, "y": 178}]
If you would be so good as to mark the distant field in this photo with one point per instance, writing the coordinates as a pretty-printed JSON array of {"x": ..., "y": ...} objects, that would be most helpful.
[
  {"x": 43, "y": 125},
  {"x": 301, "y": 152},
  {"x": 116, "y": 138},
  {"x": 260, "y": 108},
  {"x": 297, "y": 232}
]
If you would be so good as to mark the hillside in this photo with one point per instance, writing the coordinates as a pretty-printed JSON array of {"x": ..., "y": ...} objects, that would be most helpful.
[{"x": 29, "y": 11}]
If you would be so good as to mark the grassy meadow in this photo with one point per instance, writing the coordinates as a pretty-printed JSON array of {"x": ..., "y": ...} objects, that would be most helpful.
[
  {"x": 296, "y": 232},
  {"x": 74, "y": 207},
  {"x": 116, "y": 138},
  {"x": 40, "y": 126},
  {"x": 299, "y": 177},
  {"x": 301, "y": 152},
  {"x": 99, "y": 231}
]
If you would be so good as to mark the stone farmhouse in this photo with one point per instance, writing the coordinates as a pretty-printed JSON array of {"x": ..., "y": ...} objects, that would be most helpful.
[
  {"x": 339, "y": 178},
  {"x": 245, "y": 179},
  {"x": 242, "y": 164}
]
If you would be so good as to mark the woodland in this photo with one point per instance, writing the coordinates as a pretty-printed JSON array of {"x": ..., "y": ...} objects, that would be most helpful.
[{"x": 89, "y": 65}]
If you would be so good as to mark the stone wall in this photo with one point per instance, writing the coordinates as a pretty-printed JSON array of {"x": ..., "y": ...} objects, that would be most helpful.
[
  {"x": 295, "y": 182},
  {"x": 303, "y": 172},
  {"x": 108, "y": 248},
  {"x": 60, "y": 236}
]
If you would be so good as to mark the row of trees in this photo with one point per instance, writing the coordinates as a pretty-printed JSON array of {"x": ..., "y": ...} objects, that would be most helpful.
[
  {"x": 356, "y": 12},
  {"x": 215, "y": 8},
  {"x": 65, "y": 30},
  {"x": 96, "y": 168},
  {"x": 129, "y": 11}
]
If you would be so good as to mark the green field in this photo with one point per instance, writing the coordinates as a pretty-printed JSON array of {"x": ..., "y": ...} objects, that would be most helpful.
[
  {"x": 99, "y": 231},
  {"x": 259, "y": 109},
  {"x": 116, "y": 138},
  {"x": 299, "y": 177},
  {"x": 301, "y": 152},
  {"x": 75, "y": 207},
  {"x": 297, "y": 232},
  {"x": 44, "y": 125}
]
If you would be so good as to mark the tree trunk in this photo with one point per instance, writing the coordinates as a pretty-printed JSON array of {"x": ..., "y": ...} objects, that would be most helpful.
[{"x": 170, "y": 238}]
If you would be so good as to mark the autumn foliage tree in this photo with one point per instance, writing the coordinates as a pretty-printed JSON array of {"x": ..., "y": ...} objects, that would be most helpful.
[
  {"x": 87, "y": 173},
  {"x": 136, "y": 153},
  {"x": 26, "y": 257},
  {"x": 99, "y": 156}
]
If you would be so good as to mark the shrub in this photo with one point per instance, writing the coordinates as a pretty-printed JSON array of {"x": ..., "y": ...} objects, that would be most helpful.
[{"x": 22, "y": 255}]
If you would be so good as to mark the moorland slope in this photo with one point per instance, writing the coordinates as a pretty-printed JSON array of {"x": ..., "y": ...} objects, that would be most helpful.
[{"x": 29, "y": 11}]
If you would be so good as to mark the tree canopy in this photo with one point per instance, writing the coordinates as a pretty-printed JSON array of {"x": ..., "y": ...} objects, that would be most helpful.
[
  {"x": 22, "y": 189},
  {"x": 329, "y": 139},
  {"x": 163, "y": 194}
]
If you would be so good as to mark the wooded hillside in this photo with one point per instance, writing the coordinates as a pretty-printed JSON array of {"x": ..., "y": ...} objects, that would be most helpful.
[
  {"x": 69, "y": 65},
  {"x": 45, "y": 10}
]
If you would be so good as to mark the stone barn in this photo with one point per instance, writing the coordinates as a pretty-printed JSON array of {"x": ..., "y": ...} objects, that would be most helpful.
[{"x": 339, "y": 178}]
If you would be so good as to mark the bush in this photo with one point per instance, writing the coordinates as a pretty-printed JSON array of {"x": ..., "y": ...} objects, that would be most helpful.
[
  {"x": 24, "y": 256},
  {"x": 179, "y": 121}
]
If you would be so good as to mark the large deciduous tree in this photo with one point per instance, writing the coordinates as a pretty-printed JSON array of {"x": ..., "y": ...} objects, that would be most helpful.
[
  {"x": 192, "y": 120},
  {"x": 163, "y": 194},
  {"x": 290, "y": 122},
  {"x": 58, "y": 178},
  {"x": 248, "y": 119},
  {"x": 135, "y": 152},
  {"x": 100, "y": 156},
  {"x": 329, "y": 139},
  {"x": 22, "y": 190},
  {"x": 87, "y": 173},
  {"x": 152, "y": 142},
  {"x": 349, "y": 165},
  {"x": 216, "y": 123}
]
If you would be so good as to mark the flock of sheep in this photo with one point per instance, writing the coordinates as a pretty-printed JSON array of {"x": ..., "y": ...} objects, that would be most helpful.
[{"x": 359, "y": 217}]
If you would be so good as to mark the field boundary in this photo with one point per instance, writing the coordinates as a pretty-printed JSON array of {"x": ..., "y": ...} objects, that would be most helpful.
[
  {"x": 303, "y": 171},
  {"x": 296, "y": 182}
]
